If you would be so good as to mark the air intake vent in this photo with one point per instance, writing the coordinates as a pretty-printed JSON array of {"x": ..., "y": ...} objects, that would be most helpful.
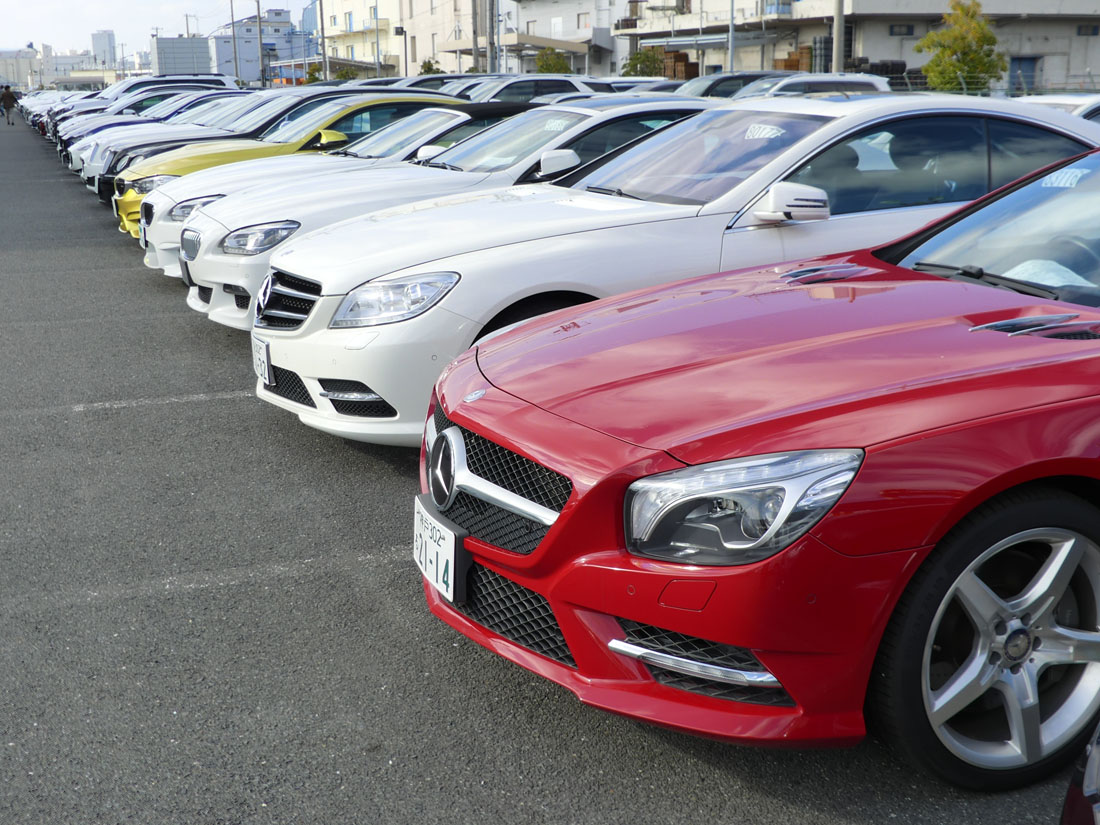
[
  {"x": 820, "y": 274},
  {"x": 1062, "y": 327},
  {"x": 1013, "y": 326}
]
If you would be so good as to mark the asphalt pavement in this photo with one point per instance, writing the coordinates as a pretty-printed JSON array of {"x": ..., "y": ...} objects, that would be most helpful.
[{"x": 209, "y": 613}]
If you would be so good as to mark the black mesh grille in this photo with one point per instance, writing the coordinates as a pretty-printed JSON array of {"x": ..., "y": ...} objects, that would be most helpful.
[
  {"x": 496, "y": 525},
  {"x": 515, "y": 613},
  {"x": 364, "y": 409},
  {"x": 205, "y": 293},
  {"x": 707, "y": 652},
  {"x": 439, "y": 418},
  {"x": 343, "y": 385},
  {"x": 283, "y": 311},
  {"x": 120, "y": 186},
  {"x": 241, "y": 301},
  {"x": 511, "y": 471},
  {"x": 147, "y": 212},
  {"x": 289, "y": 386},
  {"x": 1073, "y": 336}
]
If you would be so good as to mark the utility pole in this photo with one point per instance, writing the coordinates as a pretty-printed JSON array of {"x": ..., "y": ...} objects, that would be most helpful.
[
  {"x": 490, "y": 36},
  {"x": 377, "y": 46},
  {"x": 730, "y": 45},
  {"x": 838, "y": 36},
  {"x": 324, "y": 48},
  {"x": 233, "y": 31},
  {"x": 474, "y": 67},
  {"x": 260, "y": 43}
]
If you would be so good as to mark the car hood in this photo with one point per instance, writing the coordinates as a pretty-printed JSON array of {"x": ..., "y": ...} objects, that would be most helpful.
[
  {"x": 747, "y": 363},
  {"x": 87, "y": 124},
  {"x": 204, "y": 155},
  {"x": 265, "y": 172},
  {"x": 131, "y": 136},
  {"x": 358, "y": 191},
  {"x": 345, "y": 254}
]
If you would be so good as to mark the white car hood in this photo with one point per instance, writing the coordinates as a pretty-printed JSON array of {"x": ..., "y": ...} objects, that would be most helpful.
[
  {"x": 316, "y": 203},
  {"x": 128, "y": 136},
  {"x": 345, "y": 254},
  {"x": 269, "y": 173}
]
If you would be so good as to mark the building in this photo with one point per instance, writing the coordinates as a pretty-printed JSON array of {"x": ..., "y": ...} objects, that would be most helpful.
[
  {"x": 274, "y": 39},
  {"x": 180, "y": 55},
  {"x": 20, "y": 69},
  {"x": 103, "y": 48}
]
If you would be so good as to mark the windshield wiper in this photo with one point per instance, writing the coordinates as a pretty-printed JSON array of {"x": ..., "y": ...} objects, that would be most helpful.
[
  {"x": 605, "y": 190},
  {"x": 438, "y": 164},
  {"x": 345, "y": 153},
  {"x": 975, "y": 274}
]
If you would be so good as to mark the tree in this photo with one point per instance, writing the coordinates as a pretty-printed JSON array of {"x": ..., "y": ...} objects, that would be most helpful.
[
  {"x": 644, "y": 63},
  {"x": 551, "y": 61},
  {"x": 345, "y": 74},
  {"x": 964, "y": 55},
  {"x": 313, "y": 73},
  {"x": 429, "y": 66}
]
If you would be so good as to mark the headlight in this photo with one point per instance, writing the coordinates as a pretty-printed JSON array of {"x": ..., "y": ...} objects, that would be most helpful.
[
  {"x": 182, "y": 210},
  {"x": 252, "y": 240},
  {"x": 738, "y": 511},
  {"x": 143, "y": 186},
  {"x": 385, "y": 302}
]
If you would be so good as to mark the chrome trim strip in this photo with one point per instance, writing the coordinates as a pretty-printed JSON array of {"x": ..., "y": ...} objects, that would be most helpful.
[
  {"x": 279, "y": 289},
  {"x": 729, "y": 675},
  {"x": 350, "y": 396},
  {"x": 279, "y": 313}
]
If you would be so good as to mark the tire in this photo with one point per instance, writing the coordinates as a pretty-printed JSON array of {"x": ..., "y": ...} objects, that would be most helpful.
[{"x": 988, "y": 674}]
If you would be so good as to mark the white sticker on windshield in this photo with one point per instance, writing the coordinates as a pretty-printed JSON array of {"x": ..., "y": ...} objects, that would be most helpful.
[
  {"x": 558, "y": 124},
  {"x": 763, "y": 131},
  {"x": 1064, "y": 178}
]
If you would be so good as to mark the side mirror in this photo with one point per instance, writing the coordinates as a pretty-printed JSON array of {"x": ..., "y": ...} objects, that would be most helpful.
[
  {"x": 556, "y": 161},
  {"x": 430, "y": 151},
  {"x": 330, "y": 139},
  {"x": 792, "y": 202},
  {"x": 129, "y": 111}
]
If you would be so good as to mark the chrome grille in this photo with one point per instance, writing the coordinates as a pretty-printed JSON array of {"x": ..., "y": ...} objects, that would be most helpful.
[
  {"x": 189, "y": 244},
  {"x": 285, "y": 301}
]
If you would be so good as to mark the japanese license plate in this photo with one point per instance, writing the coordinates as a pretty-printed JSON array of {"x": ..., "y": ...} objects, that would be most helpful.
[
  {"x": 261, "y": 360},
  {"x": 438, "y": 552},
  {"x": 141, "y": 236}
]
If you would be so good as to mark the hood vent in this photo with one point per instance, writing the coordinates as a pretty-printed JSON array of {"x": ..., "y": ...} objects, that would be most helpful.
[
  {"x": 821, "y": 274},
  {"x": 1063, "y": 327}
]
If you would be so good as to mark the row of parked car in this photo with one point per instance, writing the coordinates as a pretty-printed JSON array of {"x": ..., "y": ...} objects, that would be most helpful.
[{"x": 770, "y": 505}]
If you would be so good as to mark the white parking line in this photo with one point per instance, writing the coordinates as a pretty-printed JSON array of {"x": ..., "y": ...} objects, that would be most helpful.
[{"x": 171, "y": 399}]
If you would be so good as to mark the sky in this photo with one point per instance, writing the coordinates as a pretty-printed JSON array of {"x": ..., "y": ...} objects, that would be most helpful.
[{"x": 68, "y": 24}]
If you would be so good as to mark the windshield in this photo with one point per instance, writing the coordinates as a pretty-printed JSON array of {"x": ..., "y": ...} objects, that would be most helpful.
[
  {"x": 299, "y": 123},
  {"x": 484, "y": 91},
  {"x": 205, "y": 110},
  {"x": 165, "y": 107},
  {"x": 253, "y": 114},
  {"x": 758, "y": 87},
  {"x": 697, "y": 86},
  {"x": 1043, "y": 233},
  {"x": 501, "y": 146},
  {"x": 407, "y": 132},
  {"x": 703, "y": 157}
]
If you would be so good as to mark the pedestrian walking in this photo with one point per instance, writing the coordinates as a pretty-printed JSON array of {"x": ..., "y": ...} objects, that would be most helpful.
[{"x": 7, "y": 103}]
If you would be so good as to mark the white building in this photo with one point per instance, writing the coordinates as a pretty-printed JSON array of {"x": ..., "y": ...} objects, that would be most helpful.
[
  {"x": 103, "y": 48},
  {"x": 274, "y": 39},
  {"x": 180, "y": 55}
]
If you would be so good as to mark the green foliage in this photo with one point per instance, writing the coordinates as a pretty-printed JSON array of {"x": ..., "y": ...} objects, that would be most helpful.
[
  {"x": 964, "y": 54},
  {"x": 345, "y": 74},
  {"x": 644, "y": 63},
  {"x": 313, "y": 73},
  {"x": 429, "y": 66},
  {"x": 551, "y": 61}
]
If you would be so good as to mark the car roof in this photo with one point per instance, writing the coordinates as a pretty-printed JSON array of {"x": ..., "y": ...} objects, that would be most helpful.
[
  {"x": 491, "y": 109},
  {"x": 887, "y": 103},
  {"x": 607, "y": 102}
]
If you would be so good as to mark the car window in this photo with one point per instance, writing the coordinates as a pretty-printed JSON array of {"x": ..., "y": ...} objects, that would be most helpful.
[
  {"x": 1094, "y": 115},
  {"x": 909, "y": 162},
  {"x": 251, "y": 114},
  {"x": 297, "y": 123},
  {"x": 599, "y": 87},
  {"x": 151, "y": 101},
  {"x": 433, "y": 83},
  {"x": 401, "y": 134},
  {"x": 602, "y": 139},
  {"x": 702, "y": 157},
  {"x": 467, "y": 129},
  {"x": 519, "y": 92},
  {"x": 759, "y": 87},
  {"x": 799, "y": 87},
  {"x": 854, "y": 86},
  {"x": 727, "y": 87},
  {"x": 1016, "y": 149},
  {"x": 553, "y": 87},
  {"x": 357, "y": 124}
]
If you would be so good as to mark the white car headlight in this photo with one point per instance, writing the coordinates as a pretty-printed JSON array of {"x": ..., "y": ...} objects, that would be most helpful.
[
  {"x": 386, "y": 302},
  {"x": 738, "y": 511},
  {"x": 143, "y": 186},
  {"x": 252, "y": 240},
  {"x": 182, "y": 210}
]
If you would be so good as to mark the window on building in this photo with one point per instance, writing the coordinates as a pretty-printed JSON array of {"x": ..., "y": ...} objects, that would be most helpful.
[
  {"x": 530, "y": 26},
  {"x": 901, "y": 29},
  {"x": 348, "y": 21},
  {"x": 412, "y": 49},
  {"x": 248, "y": 30},
  {"x": 582, "y": 21},
  {"x": 350, "y": 52},
  {"x": 1088, "y": 31},
  {"x": 332, "y": 21},
  {"x": 433, "y": 44},
  {"x": 410, "y": 8}
]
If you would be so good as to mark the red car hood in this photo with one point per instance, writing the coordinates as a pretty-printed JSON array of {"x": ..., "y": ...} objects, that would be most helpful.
[{"x": 750, "y": 362}]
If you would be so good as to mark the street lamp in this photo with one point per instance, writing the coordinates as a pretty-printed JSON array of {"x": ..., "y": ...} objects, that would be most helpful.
[{"x": 400, "y": 31}]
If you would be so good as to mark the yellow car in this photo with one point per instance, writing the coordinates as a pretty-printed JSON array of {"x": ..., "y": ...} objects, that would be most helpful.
[{"x": 317, "y": 124}]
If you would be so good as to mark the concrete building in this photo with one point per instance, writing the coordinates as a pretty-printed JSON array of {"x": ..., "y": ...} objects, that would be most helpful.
[
  {"x": 103, "y": 48},
  {"x": 273, "y": 40},
  {"x": 180, "y": 55},
  {"x": 20, "y": 69}
]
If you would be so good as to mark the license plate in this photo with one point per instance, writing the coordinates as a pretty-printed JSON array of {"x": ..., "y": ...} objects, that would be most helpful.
[
  {"x": 261, "y": 360},
  {"x": 185, "y": 273},
  {"x": 141, "y": 236},
  {"x": 438, "y": 552}
]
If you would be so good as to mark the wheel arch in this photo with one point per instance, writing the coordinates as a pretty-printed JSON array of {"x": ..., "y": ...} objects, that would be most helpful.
[{"x": 532, "y": 305}]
